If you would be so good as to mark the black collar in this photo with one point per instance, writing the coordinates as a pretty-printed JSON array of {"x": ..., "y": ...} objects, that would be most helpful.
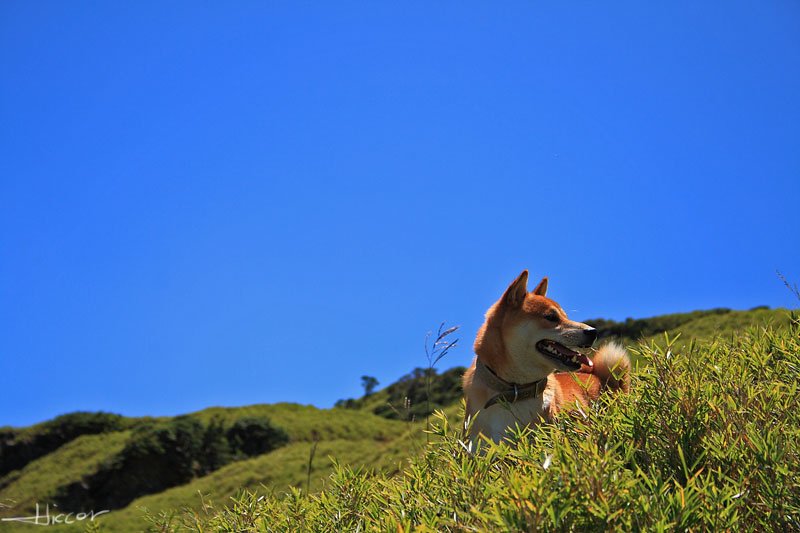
[{"x": 509, "y": 392}]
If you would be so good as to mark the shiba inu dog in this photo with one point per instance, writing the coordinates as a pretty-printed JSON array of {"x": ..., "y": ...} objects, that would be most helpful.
[{"x": 524, "y": 341}]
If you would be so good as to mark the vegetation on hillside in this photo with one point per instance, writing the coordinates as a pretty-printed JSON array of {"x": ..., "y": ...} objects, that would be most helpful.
[
  {"x": 40, "y": 480},
  {"x": 408, "y": 399},
  {"x": 382, "y": 434},
  {"x": 18, "y": 447},
  {"x": 166, "y": 454},
  {"x": 708, "y": 439},
  {"x": 635, "y": 329},
  {"x": 357, "y": 437}
]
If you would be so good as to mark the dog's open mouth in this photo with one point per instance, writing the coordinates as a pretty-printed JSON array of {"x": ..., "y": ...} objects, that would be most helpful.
[{"x": 567, "y": 357}]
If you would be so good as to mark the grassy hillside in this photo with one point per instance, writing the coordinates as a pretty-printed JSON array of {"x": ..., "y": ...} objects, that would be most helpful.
[
  {"x": 351, "y": 436},
  {"x": 40, "y": 479},
  {"x": 695, "y": 324},
  {"x": 730, "y": 324},
  {"x": 355, "y": 436},
  {"x": 20, "y": 446},
  {"x": 285, "y": 468},
  {"x": 303, "y": 422},
  {"x": 708, "y": 440}
]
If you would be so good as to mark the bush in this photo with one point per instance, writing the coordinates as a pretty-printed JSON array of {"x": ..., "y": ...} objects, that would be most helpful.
[
  {"x": 254, "y": 436},
  {"x": 707, "y": 441},
  {"x": 157, "y": 456},
  {"x": 215, "y": 450},
  {"x": 166, "y": 454},
  {"x": 408, "y": 397},
  {"x": 20, "y": 447}
]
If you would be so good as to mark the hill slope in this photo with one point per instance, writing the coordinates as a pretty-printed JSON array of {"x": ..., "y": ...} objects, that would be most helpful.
[
  {"x": 355, "y": 435},
  {"x": 707, "y": 440}
]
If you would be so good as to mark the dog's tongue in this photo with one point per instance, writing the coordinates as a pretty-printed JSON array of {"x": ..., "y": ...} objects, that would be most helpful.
[{"x": 582, "y": 359}]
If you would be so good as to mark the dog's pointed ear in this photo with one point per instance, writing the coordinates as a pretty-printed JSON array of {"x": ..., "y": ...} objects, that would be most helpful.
[
  {"x": 541, "y": 288},
  {"x": 515, "y": 293}
]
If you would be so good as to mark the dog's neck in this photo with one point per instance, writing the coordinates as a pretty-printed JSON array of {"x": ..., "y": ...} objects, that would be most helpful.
[{"x": 507, "y": 392}]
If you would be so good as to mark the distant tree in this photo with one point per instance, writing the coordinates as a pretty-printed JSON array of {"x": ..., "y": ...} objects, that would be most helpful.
[
  {"x": 255, "y": 435},
  {"x": 215, "y": 451},
  {"x": 347, "y": 403},
  {"x": 369, "y": 383}
]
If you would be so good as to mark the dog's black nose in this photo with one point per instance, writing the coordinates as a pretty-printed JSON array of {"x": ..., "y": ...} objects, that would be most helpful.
[{"x": 591, "y": 333}]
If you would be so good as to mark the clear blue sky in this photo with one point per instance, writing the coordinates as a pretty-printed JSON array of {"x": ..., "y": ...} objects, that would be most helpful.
[{"x": 225, "y": 203}]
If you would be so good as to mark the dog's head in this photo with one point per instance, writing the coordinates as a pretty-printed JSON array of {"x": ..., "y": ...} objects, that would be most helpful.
[{"x": 530, "y": 335}]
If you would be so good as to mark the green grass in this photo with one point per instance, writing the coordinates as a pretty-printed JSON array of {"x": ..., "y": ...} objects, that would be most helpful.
[
  {"x": 40, "y": 479},
  {"x": 286, "y": 467},
  {"x": 729, "y": 324},
  {"x": 357, "y": 438},
  {"x": 698, "y": 326},
  {"x": 708, "y": 439},
  {"x": 350, "y": 437},
  {"x": 303, "y": 422}
]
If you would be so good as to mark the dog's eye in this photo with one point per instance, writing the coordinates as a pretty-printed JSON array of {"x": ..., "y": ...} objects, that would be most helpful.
[{"x": 552, "y": 316}]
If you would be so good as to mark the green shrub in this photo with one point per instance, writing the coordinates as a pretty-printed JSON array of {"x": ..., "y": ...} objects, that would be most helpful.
[
  {"x": 706, "y": 441},
  {"x": 215, "y": 449},
  {"x": 407, "y": 398},
  {"x": 157, "y": 456},
  {"x": 160, "y": 455},
  {"x": 255, "y": 435},
  {"x": 20, "y": 447}
]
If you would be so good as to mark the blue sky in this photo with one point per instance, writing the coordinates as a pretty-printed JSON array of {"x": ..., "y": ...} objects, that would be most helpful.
[{"x": 232, "y": 203}]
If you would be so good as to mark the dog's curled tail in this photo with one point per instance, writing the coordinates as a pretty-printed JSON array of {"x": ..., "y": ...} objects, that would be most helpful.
[{"x": 613, "y": 367}]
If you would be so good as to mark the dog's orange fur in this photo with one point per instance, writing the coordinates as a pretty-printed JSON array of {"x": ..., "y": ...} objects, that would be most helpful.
[{"x": 506, "y": 343}]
